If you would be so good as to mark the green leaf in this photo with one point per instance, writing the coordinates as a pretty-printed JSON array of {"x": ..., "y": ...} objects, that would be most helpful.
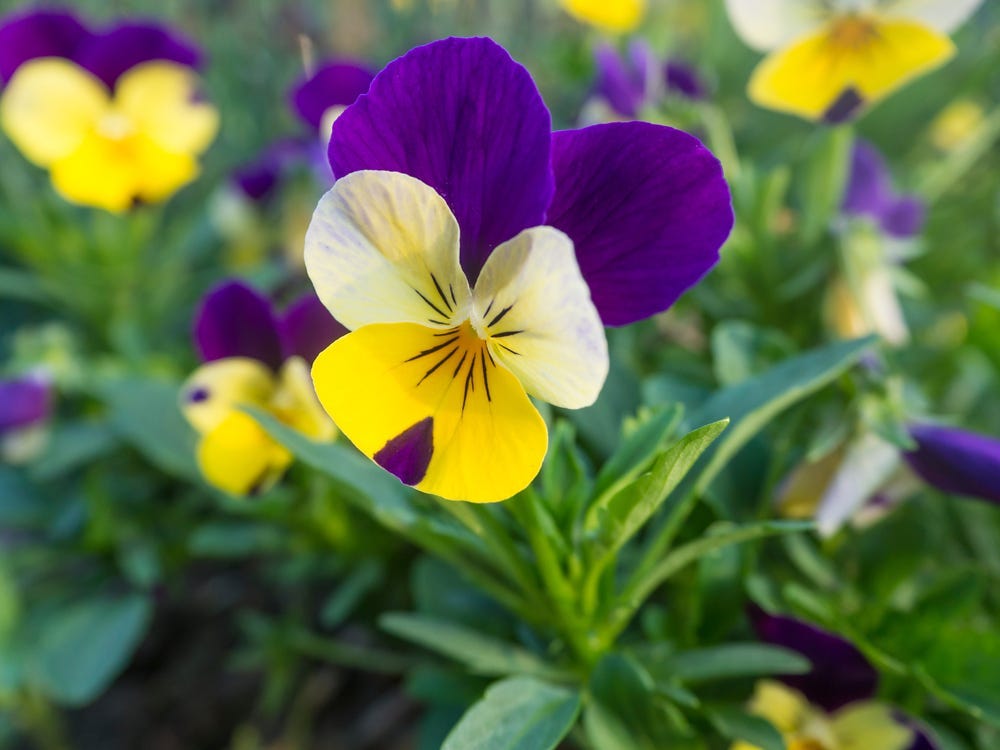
[
  {"x": 350, "y": 592},
  {"x": 605, "y": 730},
  {"x": 83, "y": 648},
  {"x": 481, "y": 654},
  {"x": 825, "y": 178},
  {"x": 519, "y": 713},
  {"x": 233, "y": 539},
  {"x": 146, "y": 414},
  {"x": 727, "y": 661},
  {"x": 635, "y": 452},
  {"x": 22, "y": 285},
  {"x": 72, "y": 446},
  {"x": 735, "y": 724}
]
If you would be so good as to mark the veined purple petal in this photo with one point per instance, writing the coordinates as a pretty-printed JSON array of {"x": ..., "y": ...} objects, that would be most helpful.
[
  {"x": 461, "y": 116},
  {"x": 258, "y": 178},
  {"x": 616, "y": 83},
  {"x": 235, "y": 320},
  {"x": 904, "y": 217},
  {"x": 24, "y": 401},
  {"x": 335, "y": 84},
  {"x": 112, "y": 52},
  {"x": 26, "y": 35},
  {"x": 307, "y": 328},
  {"x": 840, "y": 673},
  {"x": 647, "y": 208},
  {"x": 957, "y": 461},
  {"x": 683, "y": 79}
]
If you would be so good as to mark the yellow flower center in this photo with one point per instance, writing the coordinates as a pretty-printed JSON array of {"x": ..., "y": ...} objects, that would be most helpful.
[
  {"x": 807, "y": 743},
  {"x": 115, "y": 126},
  {"x": 852, "y": 33}
]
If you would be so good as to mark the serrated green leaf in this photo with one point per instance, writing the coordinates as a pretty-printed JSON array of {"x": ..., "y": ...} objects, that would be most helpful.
[{"x": 519, "y": 713}]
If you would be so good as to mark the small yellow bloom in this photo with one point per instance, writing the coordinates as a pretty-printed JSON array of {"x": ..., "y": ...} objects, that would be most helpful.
[
  {"x": 956, "y": 124},
  {"x": 109, "y": 148},
  {"x": 615, "y": 16}
]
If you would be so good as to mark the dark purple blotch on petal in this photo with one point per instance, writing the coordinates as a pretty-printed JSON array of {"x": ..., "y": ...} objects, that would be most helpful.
[
  {"x": 335, "y": 84},
  {"x": 840, "y": 673},
  {"x": 461, "y": 116},
  {"x": 235, "y": 320},
  {"x": 956, "y": 461},
  {"x": 120, "y": 48},
  {"x": 24, "y": 401},
  {"x": 647, "y": 208},
  {"x": 198, "y": 395},
  {"x": 409, "y": 454},
  {"x": 38, "y": 33},
  {"x": 844, "y": 108},
  {"x": 307, "y": 328}
]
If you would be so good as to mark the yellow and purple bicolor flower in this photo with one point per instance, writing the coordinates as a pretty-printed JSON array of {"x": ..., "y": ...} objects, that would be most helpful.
[
  {"x": 25, "y": 409},
  {"x": 476, "y": 257},
  {"x": 114, "y": 115},
  {"x": 628, "y": 83},
  {"x": 832, "y": 706},
  {"x": 828, "y": 59},
  {"x": 254, "y": 357}
]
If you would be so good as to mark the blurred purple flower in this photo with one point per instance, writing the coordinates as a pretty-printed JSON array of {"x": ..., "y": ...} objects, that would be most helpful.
[
  {"x": 956, "y": 461},
  {"x": 235, "y": 320},
  {"x": 25, "y": 401},
  {"x": 336, "y": 83},
  {"x": 106, "y": 53},
  {"x": 870, "y": 193},
  {"x": 629, "y": 83},
  {"x": 258, "y": 179}
]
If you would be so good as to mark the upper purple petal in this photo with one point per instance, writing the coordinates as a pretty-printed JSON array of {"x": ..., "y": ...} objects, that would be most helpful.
[
  {"x": 24, "y": 401},
  {"x": 684, "y": 79},
  {"x": 461, "y": 116},
  {"x": 38, "y": 33},
  {"x": 334, "y": 84},
  {"x": 647, "y": 208},
  {"x": 840, "y": 673},
  {"x": 869, "y": 186},
  {"x": 258, "y": 178},
  {"x": 235, "y": 320},
  {"x": 112, "y": 52},
  {"x": 616, "y": 83},
  {"x": 307, "y": 328},
  {"x": 957, "y": 461},
  {"x": 904, "y": 217}
]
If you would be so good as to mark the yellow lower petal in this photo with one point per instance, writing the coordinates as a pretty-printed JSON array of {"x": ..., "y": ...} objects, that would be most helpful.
[
  {"x": 433, "y": 407},
  {"x": 617, "y": 16},
  {"x": 866, "y": 725},
  {"x": 296, "y": 405},
  {"x": 218, "y": 388},
  {"x": 852, "y": 57},
  {"x": 239, "y": 457}
]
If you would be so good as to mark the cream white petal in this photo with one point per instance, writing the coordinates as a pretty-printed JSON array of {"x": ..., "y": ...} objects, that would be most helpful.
[
  {"x": 941, "y": 15},
  {"x": 382, "y": 247},
  {"x": 768, "y": 24},
  {"x": 868, "y": 464},
  {"x": 534, "y": 308}
]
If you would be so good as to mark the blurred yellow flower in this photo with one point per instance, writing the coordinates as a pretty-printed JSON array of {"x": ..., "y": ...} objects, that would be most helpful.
[
  {"x": 616, "y": 16},
  {"x": 955, "y": 124}
]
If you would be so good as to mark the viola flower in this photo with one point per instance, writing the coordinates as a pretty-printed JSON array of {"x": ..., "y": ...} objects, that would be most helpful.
[
  {"x": 113, "y": 115},
  {"x": 829, "y": 59},
  {"x": 956, "y": 461},
  {"x": 319, "y": 99},
  {"x": 25, "y": 409},
  {"x": 830, "y": 707},
  {"x": 254, "y": 357},
  {"x": 871, "y": 194},
  {"x": 474, "y": 255},
  {"x": 615, "y": 16}
]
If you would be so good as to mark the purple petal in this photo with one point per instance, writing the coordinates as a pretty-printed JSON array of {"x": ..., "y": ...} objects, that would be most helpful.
[
  {"x": 307, "y": 328},
  {"x": 40, "y": 33},
  {"x": 236, "y": 320},
  {"x": 24, "y": 401},
  {"x": 258, "y": 179},
  {"x": 869, "y": 186},
  {"x": 840, "y": 673},
  {"x": 921, "y": 737},
  {"x": 463, "y": 117},
  {"x": 904, "y": 217},
  {"x": 647, "y": 208},
  {"x": 616, "y": 83},
  {"x": 956, "y": 461},
  {"x": 116, "y": 50},
  {"x": 683, "y": 79},
  {"x": 335, "y": 84}
]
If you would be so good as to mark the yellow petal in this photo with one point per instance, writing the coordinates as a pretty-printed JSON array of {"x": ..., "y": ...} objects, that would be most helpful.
[
  {"x": 50, "y": 106},
  {"x": 160, "y": 100},
  {"x": 533, "y": 305},
  {"x": 852, "y": 59},
  {"x": 239, "y": 457},
  {"x": 617, "y": 16},
  {"x": 218, "y": 388},
  {"x": 383, "y": 248},
  {"x": 295, "y": 402},
  {"x": 787, "y": 709},
  {"x": 433, "y": 408},
  {"x": 801, "y": 492},
  {"x": 866, "y": 725}
]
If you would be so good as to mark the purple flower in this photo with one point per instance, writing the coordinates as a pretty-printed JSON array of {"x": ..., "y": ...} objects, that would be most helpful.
[
  {"x": 646, "y": 206},
  {"x": 629, "y": 83},
  {"x": 235, "y": 320},
  {"x": 870, "y": 193},
  {"x": 334, "y": 85},
  {"x": 24, "y": 402},
  {"x": 956, "y": 461},
  {"x": 258, "y": 179},
  {"x": 106, "y": 53}
]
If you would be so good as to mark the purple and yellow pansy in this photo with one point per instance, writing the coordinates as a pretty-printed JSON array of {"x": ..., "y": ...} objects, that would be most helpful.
[
  {"x": 254, "y": 357},
  {"x": 26, "y": 405},
  {"x": 114, "y": 115},
  {"x": 476, "y": 257},
  {"x": 829, "y": 59}
]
